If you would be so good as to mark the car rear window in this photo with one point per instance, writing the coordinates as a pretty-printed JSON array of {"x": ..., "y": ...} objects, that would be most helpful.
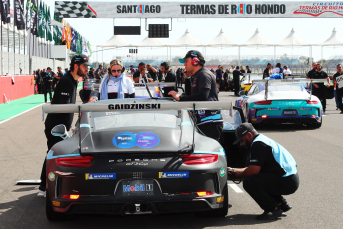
[
  {"x": 285, "y": 87},
  {"x": 135, "y": 120}
]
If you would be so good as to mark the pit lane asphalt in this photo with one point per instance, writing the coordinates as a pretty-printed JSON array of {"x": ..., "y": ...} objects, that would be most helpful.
[{"x": 318, "y": 203}]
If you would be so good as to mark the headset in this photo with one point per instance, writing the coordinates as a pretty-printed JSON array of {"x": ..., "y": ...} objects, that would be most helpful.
[{"x": 195, "y": 61}]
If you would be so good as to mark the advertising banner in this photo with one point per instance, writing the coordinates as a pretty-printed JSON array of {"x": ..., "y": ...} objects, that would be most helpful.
[{"x": 263, "y": 9}]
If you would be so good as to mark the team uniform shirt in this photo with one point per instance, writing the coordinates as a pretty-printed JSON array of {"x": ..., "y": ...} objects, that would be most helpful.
[
  {"x": 276, "y": 70},
  {"x": 271, "y": 157},
  {"x": 65, "y": 93},
  {"x": 113, "y": 87},
  {"x": 339, "y": 80},
  {"x": 152, "y": 74},
  {"x": 204, "y": 78},
  {"x": 266, "y": 73},
  {"x": 320, "y": 75},
  {"x": 170, "y": 78},
  {"x": 287, "y": 72}
]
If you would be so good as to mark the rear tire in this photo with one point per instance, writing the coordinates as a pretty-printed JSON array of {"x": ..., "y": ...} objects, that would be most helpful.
[{"x": 49, "y": 211}]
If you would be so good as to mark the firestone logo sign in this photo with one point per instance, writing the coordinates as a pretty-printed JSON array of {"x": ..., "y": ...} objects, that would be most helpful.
[
  {"x": 140, "y": 9},
  {"x": 318, "y": 8}
]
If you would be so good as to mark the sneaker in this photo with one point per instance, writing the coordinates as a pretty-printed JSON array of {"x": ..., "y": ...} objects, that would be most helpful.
[
  {"x": 41, "y": 193},
  {"x": 341, "y": 112},
  {"x": 285, "y": 207},
  {"x": 273, "y": 215}
]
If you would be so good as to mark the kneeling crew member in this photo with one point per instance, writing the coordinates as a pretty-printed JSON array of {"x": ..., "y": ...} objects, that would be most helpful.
[
  {"x": 116, "y": 85},
  {"x": 204, "y": 88},
  {"x": 65, "y": 93},
  {"x": 272, "y": 172}
]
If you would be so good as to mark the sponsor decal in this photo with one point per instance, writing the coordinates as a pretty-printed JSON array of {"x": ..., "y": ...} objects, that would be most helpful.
[
  {"x": 125, "y": 140},
  {"x": 305, "y": 108},
  {"x": 148, "y": 106},
  {"x": 173, "y": 175},
  {"x": 140, "y": 9},
  {"x": 222, "y": 172},
  {"x": 64, "y": 93},
  {"x": 142, "y": 140},
  {"x": 253, "y": 160},
  {"x": 147, "y": 140},
  {"x": 138, "y": 188},
  {"x": 220, "y": 199},
  {"x": 274, "y": 109},
  {"x": 316, "y": 9},
  {"x": 56, "y": 203},
  {"x": 100, "y": 176},
  {"x": 51, "y": 176}
]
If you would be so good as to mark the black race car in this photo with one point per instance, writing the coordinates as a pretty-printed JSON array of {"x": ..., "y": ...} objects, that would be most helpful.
[{"x": 136, "y": 156}]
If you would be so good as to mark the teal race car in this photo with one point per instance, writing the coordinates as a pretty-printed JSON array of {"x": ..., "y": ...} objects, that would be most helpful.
[{"x": 281, "y": 101}]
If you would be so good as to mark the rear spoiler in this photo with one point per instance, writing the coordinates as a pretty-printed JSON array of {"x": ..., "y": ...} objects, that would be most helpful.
[
  {"x": 134, "y": 105},
  {"x": 310, "y": 81},
  {"x": 124, "y": 105}
]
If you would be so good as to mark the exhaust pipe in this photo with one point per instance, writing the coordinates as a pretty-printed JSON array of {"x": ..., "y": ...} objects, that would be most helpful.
[
  {"x": 144, "y": 208},
  {"x": 131, "y": 208}
]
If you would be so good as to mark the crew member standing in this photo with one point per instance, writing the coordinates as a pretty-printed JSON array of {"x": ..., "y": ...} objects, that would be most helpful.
[
  {"x": 219, "y": 76},
  {"x": 310, "y": 74},
  {"x": 57, "y": 76},
  {"x": 152, "y": 71},
  {"x": 116, "y": 85},
  {"x": 272, "y": 172},
  {"x": 65, "y": 93},
  {"x": 338, "y": 80},
  {"x": 236, "y": 80},
  {"x": 47, "y": 80},
  {"x": 170, "y": 77},
  {"x": 266, "y": 72},
  {"x": 319, "y": 89},
  {"x": 141, "y": 74},
  {"x": 204, "y": 88}
]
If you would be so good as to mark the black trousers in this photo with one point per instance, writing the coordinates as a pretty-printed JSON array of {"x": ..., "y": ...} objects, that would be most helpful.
[
  {"x": 237, "y": 86},
  {"x": 267, "y": 189},
  {"x": 51, "y": 141},
  {"x": 179, "y": 82},
  {"x": 47, "y": 89},
  {"x": 321, "y": 93},
  {"x": 339, "y": 93},
  {"x": 212, "y": 129}
]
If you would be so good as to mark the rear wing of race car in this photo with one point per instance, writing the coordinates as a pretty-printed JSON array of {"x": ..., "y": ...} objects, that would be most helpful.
[
  {"x": 134, "y": 105},
  {"x": 310, "y": 81}
]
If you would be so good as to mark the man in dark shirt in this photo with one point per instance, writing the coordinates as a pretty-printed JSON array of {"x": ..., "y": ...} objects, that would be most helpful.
[
  {"x": 152, "y": 72},
  {"x": 98, "y": 72},
  {"x": 226, "y": 80},
  {"x": 338, "y": 81},
  {"x": 236, "y": 80},
  {"x": 47, "y": 81},
  {"x": 160, "y": 75},
  {"x": 65, "y": 93},
  {"x": 141, "y": 73},
  {"x": 219, "y": 76},
  {"x": 272, "y": 172},
  {"x": 170, "y": 77},
  {"x": 266, "y": 72},
  {"x": 57, "y": 76},
  {"x": 319, "y": 89},
  {"x": 204, "y": 88},
  {"x": 38, "y": 81},
  {"x": 311, "y": 72},
  {"x": 248, "y": 69}
]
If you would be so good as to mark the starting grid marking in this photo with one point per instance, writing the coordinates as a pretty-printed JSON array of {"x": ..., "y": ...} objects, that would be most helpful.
[{"x": 235, "y": 188}]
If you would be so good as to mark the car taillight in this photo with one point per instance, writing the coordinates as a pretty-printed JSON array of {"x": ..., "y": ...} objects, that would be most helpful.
[
  {"x": 204, "y": 193},
  {"x": 266, "y": 102},
  {"x": 264, "y": 116},
  {"x": 247, "y": 84},
  {"x": 197, "y": 159},
  {"x": 312, "y": 102},
  {"x": 85, "y": 88},
  {"x": 71, "y": 197},
  {"x": 74, "y": 161}
]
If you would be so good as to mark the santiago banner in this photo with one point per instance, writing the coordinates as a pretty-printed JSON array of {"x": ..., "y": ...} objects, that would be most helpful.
[{"x": 276, "y": 9}]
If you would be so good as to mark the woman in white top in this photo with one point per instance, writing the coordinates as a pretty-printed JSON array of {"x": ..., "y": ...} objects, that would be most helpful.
[{"x": 115, "y": 85}]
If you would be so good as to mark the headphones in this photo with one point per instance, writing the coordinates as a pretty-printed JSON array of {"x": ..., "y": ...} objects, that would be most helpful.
[{"x": 195, "y": 61}]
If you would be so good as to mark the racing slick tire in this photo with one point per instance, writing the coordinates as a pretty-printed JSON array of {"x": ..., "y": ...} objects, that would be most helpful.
[
  {"x": 316, "y": 125},
  {"x": 51, "y": 215},
  {"x": 221, "y": 212}
]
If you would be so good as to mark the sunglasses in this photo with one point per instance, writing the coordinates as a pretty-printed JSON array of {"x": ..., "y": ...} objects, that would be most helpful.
[{"x": 114, "y": 71}]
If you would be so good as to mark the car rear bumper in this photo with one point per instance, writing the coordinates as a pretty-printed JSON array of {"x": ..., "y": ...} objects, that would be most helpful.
[
  {"x": 290, "y": 119},
  {"x": 141, "y": 206}
]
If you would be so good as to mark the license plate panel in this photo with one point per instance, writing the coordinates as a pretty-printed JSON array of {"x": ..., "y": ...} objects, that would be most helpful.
[
  {"x": 289, "y": 112},
  {"x": 137, "y": 187}
]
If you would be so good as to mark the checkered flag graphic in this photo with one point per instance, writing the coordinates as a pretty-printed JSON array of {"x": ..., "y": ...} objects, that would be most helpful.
[{"x": 74, "y": 10}]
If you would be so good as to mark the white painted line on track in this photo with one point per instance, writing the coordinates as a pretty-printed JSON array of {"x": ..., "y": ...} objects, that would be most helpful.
[
  {"x": 236, "y": 188},
  {"x": 20, "y": 114}
]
